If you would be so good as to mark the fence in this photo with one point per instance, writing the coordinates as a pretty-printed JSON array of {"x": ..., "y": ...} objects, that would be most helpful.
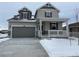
[{"x": 75, "y": 34}]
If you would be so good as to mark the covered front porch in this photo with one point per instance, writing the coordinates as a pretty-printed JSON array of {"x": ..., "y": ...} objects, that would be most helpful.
[{"x": 53, "y": 28}]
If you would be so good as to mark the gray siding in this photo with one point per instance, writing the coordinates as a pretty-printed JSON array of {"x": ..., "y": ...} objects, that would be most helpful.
[{"x": 41, "y": 13}]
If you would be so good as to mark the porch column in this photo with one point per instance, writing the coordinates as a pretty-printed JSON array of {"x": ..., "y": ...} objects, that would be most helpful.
[
  {"x": 11, "y": 32},
  {"x": 67, "y": 28},
  {"x": 40, "y": 28},
  {"x": 35, "y": 31}
]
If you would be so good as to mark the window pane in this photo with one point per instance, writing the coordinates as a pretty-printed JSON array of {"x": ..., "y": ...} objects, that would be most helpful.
[
  {"x": 25, "y": 15},
  {"x": 48, "y": 14}
]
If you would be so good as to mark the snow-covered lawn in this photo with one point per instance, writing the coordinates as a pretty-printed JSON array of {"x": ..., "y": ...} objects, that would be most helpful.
[
  {"x": 3, "y": 37},
  {"x": 61, "y": 47}
]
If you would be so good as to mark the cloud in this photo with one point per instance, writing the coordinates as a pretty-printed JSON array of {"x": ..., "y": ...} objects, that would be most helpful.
[{"x": 4, "y": 28}]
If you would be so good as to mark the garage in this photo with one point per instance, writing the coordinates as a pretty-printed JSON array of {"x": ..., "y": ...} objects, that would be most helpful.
[{"x": 23, "y": 32}]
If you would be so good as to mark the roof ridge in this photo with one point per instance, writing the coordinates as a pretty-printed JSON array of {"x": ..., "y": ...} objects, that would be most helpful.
[{"x": 48, "y": 5}]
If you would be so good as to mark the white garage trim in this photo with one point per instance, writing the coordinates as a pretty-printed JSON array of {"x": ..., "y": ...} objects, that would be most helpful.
[{"x": 22, "y": 26}]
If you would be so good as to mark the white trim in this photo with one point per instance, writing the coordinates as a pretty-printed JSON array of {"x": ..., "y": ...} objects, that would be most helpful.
[
  {"x": 67, "y": 28},
  {"x": 11, "y": 32},
  {"x": 23, "y": 20},
  {"x": 54, "y": 19},
  {"x": 63, "y": 34},
  {"x": 35, "y": 32},
  {"x": 23, "y": 25},
  {"x": 40, "y": 28}
]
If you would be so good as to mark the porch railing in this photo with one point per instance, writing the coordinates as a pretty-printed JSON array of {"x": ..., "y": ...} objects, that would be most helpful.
[
  {"x": 57, "y": 33},
  {"x": 53, "y": 33}
]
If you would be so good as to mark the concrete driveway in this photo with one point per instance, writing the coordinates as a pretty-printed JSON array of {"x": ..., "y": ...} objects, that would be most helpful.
[{"x": 23, "y": 47}]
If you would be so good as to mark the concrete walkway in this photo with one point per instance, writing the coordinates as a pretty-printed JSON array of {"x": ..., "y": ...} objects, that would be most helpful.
[{"x": 26, "y": 47}]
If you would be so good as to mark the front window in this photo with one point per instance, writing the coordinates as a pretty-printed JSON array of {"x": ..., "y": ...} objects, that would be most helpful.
[{"x": 48, "y": 14}]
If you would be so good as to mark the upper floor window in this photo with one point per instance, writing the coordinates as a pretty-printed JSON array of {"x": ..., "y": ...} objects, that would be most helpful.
[
  {"x": 25, "y": 15},
  {"x": 48, "y": 14}
]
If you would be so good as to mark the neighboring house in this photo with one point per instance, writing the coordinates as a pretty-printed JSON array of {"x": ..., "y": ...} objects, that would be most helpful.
[
  {"x": 46, "y": 23},
  {"x": 4, "y": 31},
  {"x": 74, "y": 29}
]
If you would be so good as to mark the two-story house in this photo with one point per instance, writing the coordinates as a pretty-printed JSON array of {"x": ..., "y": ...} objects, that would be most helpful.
[{"x": 46, "y": 23}]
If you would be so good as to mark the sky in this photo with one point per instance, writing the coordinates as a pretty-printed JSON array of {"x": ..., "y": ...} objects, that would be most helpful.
[{"x": 9, "y": 9}]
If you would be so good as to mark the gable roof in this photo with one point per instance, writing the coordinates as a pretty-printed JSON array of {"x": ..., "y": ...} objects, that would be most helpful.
[{"x": 48, "y": 6}]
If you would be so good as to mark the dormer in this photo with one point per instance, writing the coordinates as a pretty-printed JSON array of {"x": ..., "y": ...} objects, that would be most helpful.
[
  {"x": 47, "y": 11},
  {"x": 25, "y": 13}
]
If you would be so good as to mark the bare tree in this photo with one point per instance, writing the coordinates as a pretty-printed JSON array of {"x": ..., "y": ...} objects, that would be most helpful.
[
  {"x": 77, "y": 14},
  {"x": 77, "y": 19}
]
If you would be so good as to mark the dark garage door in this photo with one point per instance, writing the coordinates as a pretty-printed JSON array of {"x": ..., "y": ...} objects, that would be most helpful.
[{"x": 22, "y": 32}]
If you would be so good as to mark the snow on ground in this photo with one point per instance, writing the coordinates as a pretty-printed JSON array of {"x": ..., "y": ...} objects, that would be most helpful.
[
  {"x": 61, "y": 47},
  {"x": 3, "y": 37}
]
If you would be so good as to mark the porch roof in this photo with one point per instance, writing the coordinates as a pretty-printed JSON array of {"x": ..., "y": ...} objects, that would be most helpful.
[
  {"x": 24, "y": 20},
  {"x": 54, "y": 19}
]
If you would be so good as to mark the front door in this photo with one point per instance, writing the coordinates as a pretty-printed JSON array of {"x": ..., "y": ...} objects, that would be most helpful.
[{"x": 53, "y": 26}]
